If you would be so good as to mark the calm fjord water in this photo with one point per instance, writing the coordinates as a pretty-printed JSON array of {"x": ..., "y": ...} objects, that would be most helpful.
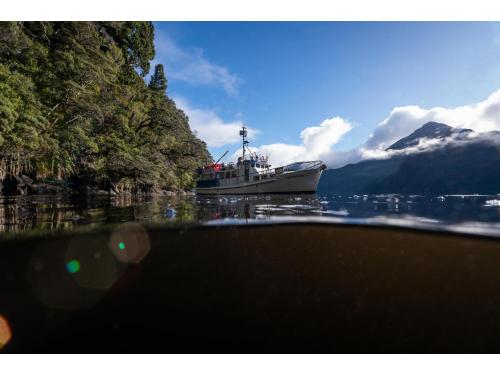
[
  {"x": 45, "y": 214},
  {"x": 250, "y": 288}
]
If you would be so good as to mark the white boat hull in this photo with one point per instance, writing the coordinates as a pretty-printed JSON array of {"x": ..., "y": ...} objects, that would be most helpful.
[{"x": 302, "y": 181}]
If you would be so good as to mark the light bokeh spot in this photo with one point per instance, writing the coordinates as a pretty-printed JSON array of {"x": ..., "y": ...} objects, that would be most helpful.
[
  {"x": 129, "y": 243},
  {"x": 73, "y": 266},
  {"x": 5, "y": 332},
  {"x": 98, "y": 269}
]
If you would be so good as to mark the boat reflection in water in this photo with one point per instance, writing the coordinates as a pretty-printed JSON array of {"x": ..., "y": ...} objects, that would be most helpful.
[{"x": 259, "y": 207}]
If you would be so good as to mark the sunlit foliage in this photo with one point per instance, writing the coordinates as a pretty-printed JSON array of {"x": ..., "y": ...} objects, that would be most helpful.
[{"x": 74, "y": 106}]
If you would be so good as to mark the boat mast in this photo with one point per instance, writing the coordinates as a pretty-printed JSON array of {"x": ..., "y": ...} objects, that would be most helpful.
[{"x": 243, "y": 133}]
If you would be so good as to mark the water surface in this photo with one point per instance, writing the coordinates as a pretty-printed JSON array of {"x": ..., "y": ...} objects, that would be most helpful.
[{"x": 45, "y": 214}]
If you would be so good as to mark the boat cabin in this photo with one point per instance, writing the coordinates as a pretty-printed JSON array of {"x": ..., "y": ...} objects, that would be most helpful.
[{"x": 245, "y": 170}]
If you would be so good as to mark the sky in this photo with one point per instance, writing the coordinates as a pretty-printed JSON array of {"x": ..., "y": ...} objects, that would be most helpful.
[{"x": 335, "y": 91}]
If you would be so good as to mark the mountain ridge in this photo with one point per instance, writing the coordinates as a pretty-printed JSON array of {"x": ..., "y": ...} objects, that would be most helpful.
[
  {"x": 430, "y": 130},
  {"x": 463, "y": 163}
]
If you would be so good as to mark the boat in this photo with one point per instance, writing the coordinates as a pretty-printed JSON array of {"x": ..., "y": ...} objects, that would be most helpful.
[{"x": 252, "y": 174}]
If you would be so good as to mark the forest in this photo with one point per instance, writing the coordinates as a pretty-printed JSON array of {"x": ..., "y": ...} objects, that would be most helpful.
[{"x": 77, "y": 111}]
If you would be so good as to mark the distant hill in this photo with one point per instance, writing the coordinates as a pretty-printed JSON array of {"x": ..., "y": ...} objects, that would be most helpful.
[
  {"x": 354, "y": 178},
  {"x": 430, "y": 130},
  {"x": 469, "y": 166}
]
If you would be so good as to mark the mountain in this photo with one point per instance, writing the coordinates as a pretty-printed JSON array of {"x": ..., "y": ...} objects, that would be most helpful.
[
  {"x": 430, "y": 130},
  {"x": 354, "y": 178},
  {"x": 76, "y": 110},
  {"x": 462, "y": 164},
  {"x": 465, "y": 169}
]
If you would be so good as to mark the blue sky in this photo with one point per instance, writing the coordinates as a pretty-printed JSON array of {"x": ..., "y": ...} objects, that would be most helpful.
[{"x": 280, "y": 78}]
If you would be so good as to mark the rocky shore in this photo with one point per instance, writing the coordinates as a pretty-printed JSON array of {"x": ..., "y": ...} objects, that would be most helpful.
[{"x": 25, "y": 185}]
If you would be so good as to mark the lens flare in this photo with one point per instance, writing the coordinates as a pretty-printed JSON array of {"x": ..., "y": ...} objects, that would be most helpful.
[
  {"x": 129, "y": 243},
  {"x": 73, "y": 272},
  {"x": 73, "y": 266},
  {"x": 99, "y": 269},
  {"x": 5, "y": 332}
]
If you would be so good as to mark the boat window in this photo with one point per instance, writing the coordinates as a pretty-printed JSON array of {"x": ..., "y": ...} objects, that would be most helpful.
[
  {"x": 264, "y": 176},
  {"x": 256, "y": 178},
  {"x": 233, "y": 174},
  {"x": 258, "y": 165},
  {"x": 228, "y": 174}
]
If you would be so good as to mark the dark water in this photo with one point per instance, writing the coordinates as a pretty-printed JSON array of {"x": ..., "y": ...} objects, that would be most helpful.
[
  {"x": 288, "y": 288},
  {"x": 42, "y": 214}
]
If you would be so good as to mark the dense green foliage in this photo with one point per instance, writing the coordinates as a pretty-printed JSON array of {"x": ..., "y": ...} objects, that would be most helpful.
[{"x": 74, "y": 105}]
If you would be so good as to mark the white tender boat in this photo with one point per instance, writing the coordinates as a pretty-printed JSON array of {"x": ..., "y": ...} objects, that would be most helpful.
[{"x": 252, "y": 174}]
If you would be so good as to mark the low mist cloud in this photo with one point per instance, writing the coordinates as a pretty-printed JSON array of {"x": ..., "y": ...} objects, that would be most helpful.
[{"x": 480, "y": 117}]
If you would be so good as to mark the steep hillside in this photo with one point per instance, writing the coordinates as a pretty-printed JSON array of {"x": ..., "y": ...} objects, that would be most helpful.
[
  {"x": 353, "y": 178},
  {"x": 468, "y": 168},
  {"x": 75, "y": 110}
]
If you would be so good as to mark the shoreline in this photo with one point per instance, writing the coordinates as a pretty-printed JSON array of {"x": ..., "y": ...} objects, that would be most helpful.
[{"x": 26, "y": 186}]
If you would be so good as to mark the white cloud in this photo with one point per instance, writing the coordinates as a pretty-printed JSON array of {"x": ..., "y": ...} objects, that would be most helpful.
[
  {"x": 318, "y": 139},
  {"x": 480, "y": 117},
  {"x": 425, "y": 145},
  {"x": 337, "y": 159},
  {"x": 190, "y": 65},
  {"x": 316, "y": 143},
  {"x": 210, "y": 127}
]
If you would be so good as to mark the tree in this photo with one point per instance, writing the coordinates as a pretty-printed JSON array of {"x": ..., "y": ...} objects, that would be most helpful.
[
  {"x": 74, "y": 105},
  {"x": 158, "y": 81},
  {"x": 136, "y": 39}
]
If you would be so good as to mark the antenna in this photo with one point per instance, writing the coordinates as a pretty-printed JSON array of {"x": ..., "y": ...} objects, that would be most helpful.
[{"x": 243, "y": 133}]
